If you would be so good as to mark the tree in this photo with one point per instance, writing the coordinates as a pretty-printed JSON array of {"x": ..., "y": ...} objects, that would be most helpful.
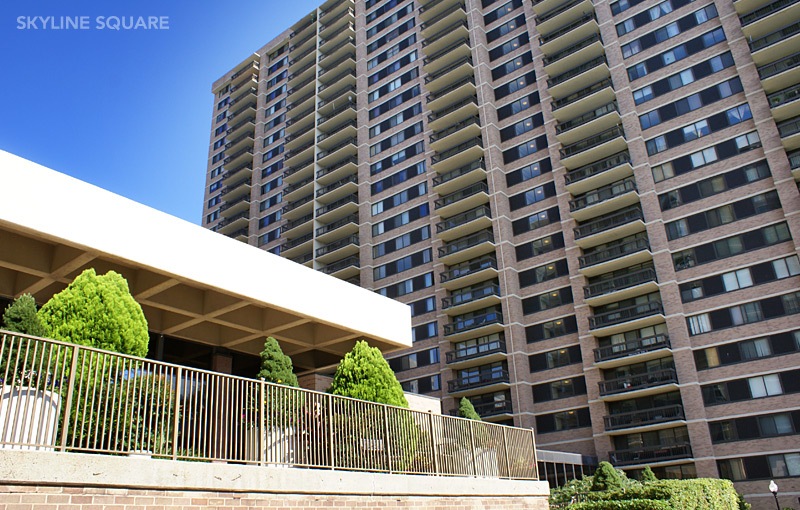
[
  {"x": 97, "y": 311},
  {"x": 606, "y": 478},
  {"x": 467, "y": 410},
  {"x": 648, "y": 475},
  {"x": 21, "y": 317},
  {"x": 276, "y": 367},
  {"x": 364, "y": 374}
]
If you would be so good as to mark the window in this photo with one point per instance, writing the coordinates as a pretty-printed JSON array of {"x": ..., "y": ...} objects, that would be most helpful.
[
  {"x": 551, "y": 329},
  {"x": 509, "y": 46},
  {"x": 532, "y": 196},
  {"x": 714, "y": 185},
  {"x": 505, "y": 28},
  {"x": 543, "y": 273},
  {"x": 269, "y": 237},
  {"x": 512, "y": 65},
  {"x": 723, "y": 215},
  {"x": 401, "y": 219},
  {"x": 536, "y": 220},
  {"x": 520, "y": 83},
  {"x": 392, "y": 68},
  {"x": 399, "y": 14},
  {"x": 392, "y": 85},
  {"x": 397, "y": 157},
  {"x": 502, "y": 11},
  {"x": 528, "y": 172},
  {"x": 698, "y": 100},
  {"x": 394, "y": 102},
  {"x": 395, "y": 139},
  {"x": 675, "y": 54},
  {"x": 400, "y": 198},
  {"x": 390, "y": 36},
  {"x": 521, "y": 127},
  {"x": 525, "y": 149},
  {"x": 517, "y": 106},
  {"x": 407, "y": 286},
  {"x": 723, "y": 150},
  {"x": 423, "y": 306},
  {"x": 398, "y": 243},
  {"x": 424, "y": 331},
  {"x": 699, "y": 324},
  {"x": 395, "y": 120},
  {"x": 765, "y": 386},
  {"x": 540, "y": 246}
]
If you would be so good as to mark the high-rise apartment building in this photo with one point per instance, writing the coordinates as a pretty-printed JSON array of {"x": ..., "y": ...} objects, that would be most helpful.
[{"x": 590, "y": 207}]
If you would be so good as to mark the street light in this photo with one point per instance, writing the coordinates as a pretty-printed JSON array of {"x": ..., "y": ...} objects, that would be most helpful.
[{"x": 773, "y": 488}]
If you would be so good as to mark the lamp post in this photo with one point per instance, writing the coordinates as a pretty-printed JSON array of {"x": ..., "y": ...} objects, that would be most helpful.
[{"x": 773, "y": 488}]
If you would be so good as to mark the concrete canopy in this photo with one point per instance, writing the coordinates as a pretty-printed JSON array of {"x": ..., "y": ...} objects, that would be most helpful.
[{"x": 192, "y": 283}]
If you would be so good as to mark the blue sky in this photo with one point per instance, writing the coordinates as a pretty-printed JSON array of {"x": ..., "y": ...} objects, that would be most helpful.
[{"x": 127, "y": 110}]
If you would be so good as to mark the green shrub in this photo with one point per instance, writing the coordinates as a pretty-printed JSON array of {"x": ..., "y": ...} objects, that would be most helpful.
[
  {"x": 364, "y": 374},
  {"x": 97, "y": 311},
  {"x": 631, "y": 504},
  {"x": 467, "y": 410},
  {"x": 276, "y": 367},
  {"x": 606, "y": 478},
  {"x": 21, "y": 317},
  {"x": 648, "y": 475}
]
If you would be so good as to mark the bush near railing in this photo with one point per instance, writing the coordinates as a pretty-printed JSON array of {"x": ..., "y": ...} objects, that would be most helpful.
[
  {"x": 66, "y": 397},
  {"x": 694, "y": 494}
]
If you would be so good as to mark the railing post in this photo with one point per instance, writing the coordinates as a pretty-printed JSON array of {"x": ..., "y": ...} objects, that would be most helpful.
[
  {"x": 386, "y": 437},
  {"x": 472, "y": 443},
  {"x": 262, "y": 423},
  {"x": 177, "y": 413},
  {"x": 68, "y": 403},
  {"x": 505, "y": 447},
  {"x": 535, "y": 459},
  {"x": 433, "y": 445},
  {"x": 331, "y": 447}
]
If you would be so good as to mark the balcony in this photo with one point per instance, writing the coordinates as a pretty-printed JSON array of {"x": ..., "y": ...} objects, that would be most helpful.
[
  {"x": 456, "y": 134},
  {"x": 621, "y": 287},
  {"x": 337, "y": 115},
  {"x": 616, "y": 256},
  {"x": 472, "y": 298},
  {"x": 784, "y": 103},
  {"x": 600, "y": 173},
  {"x": 576, "y": 78},
  {"x": 613, "y": 226},
  {"x": 336, "y": 51},
  {"x": 233, "y": 191},
  {"x": 348, "y": 61},
  {"x": 246, "y": 73},
  {"x": 336, "y": 171},
  {"x": 247, "y": 111},
  {"x": 446, "y": 36},
  {"x": 443, "y": 57},
  {"x": 300, "y": 102},
  {"x": 242, "y": 171},
  {"x": 465, "y": 223},
  {"x": 466, "y": 248},
  {"x": 248, "y": 97},
  {"x": 299, "y": 171},
  {"x": 462, "y": 200},
  {"x": 332, "y": 97},
  {"x": 236, "y": 222},
  {"x": 643, "y": 418},
  {"x": 794, "y": 163},
  {"x": 444, "y": 77},
  {"x": 637, "y": 382},
  {"x": 244, "y": 126},
  {"x": 303, "y": 259},
  {"x": 594, "y": 121},
  {"x": 292, "y": 245},
  {"x": 302, "y": 46},
  {"x": 301, "y": 153},
  {"x": 329, "y": 42},
  {"x": 630, "y": 317},
  {"x": 300, "y": 122},
  {"x": 338, "y": 189},
  {"x": 780, "y": 74},
  {"x": 583, "y": 100},
  {"x": 303, "y": 72},
  {"x": 593, "y": 148},
  {"x": 434, "y": 8},
  {"x": 776, "y": 45},
  {"x": 459, "y": 178},
  {"x": 344, "y": 23},
  {"x": 483, "y": 383},
  {"x": 578, "y": 30},
  {"x": 454, "y": 113},
  {"x": 343, "y": 207},
  {"x": 574, "y": 55},
  {"x": 469, "y": 273},
  {"x": 769, "y": 18},
  {"x": 302, "y": 225},
  {"x": 343, "y": 269},
  {"x": 299, "y": 30},
  {"x": 568, "y": 12},
  {"x": 343, "y": 247},
  {"x": 299, "y": 207},
  {"x": 458, "y": 156},
  {"x": 604, "y": 200},
  {"x": 292, "y": 142},
  {"x": 453, "y": 93},
  {"x": 629, "y": 352},
  {"x": 298, "y": 64},
  {"x": 237, "y": 206},
  {"x": 488, "y": 352},
  {"x": 302, "y": 87},
  {"x": 341, "y": 227},
  {"x": 347, "y": 148},
  {"x": 650, "y": 454},
  {"x": 445, "y": 17},
  {"x": 334, "y": 10},
  {"x": 789, "y": 131}
]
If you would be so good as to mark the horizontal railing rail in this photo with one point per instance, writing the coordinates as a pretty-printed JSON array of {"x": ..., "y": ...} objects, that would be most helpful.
[
  {"x": 643, "y": 417},
  {"x": 70, "y": 398}
]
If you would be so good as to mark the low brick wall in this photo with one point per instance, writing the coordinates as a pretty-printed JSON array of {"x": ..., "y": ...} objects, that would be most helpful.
[{"x": 31, "y": 480}]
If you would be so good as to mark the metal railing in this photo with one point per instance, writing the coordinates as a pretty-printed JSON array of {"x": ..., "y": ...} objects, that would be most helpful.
[
  {"x": 643, "y": 417},
  {"x": 648, "y": 454},
  {"x": 69, "y": 398},
  {"x": 631, "y": 347},
  {"x": 638, "y": 381}
]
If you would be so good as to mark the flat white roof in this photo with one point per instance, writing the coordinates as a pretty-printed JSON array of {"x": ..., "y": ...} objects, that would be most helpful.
[{"x": 192, "y": 283}]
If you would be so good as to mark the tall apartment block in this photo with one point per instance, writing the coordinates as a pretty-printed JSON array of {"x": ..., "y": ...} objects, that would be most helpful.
[{"x": 591, "y": 208}]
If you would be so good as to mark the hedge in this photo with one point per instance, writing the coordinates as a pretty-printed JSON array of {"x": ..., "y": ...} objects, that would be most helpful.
[{"x": 694, "y": 494}]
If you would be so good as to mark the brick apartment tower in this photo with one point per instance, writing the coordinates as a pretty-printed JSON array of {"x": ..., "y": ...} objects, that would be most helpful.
[{"x": 590, "y": 207}]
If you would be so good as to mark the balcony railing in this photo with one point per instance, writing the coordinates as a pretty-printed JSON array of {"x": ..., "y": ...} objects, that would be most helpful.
[
  {"x": 605, "y": 319},
  {"x": 340, "y": 243},
  {"x": 440, "y": 17},
  {"x": 476, "y": 351},
  {"x": 338, "y": 184},
  {"x": 575, "y": 71},
  {"x": 296, "y": 223},
  {"x": 332, "y": 168},
  {"x": 342, "y": 264},
  {"x": 768, "y": 10},
  {"x": 445, "y": 31},
  {"x": 638, "y": 381},
  {"x": 339, "y": 203},
  {"x": 353, "y": 218},
  {"x": 555, "y": 12},
  {"x": 608, "y": 222},
  {"x": 602, "y": 194},
  {"x": 613, "y": 252},
  {"x": 789, "y": 127},
  {"x": 297, "y": 185},
  {"x": 252, "y": 69},
  {"x": 449, "y": 153},
  {"x": 619, "y": 283},
  {"x": 454, "y": 65},
  {"x": 775, "y": 37},
  {"x": 784, "y": 64},
  {"x": 291, "y": 206},
  {"x": 494, "y": 408},
  {"x": 640, "y": 345},
  {"x": 591, "y": 142},
  {"x": 438, "y": 114},
  {"x": 584, "y": 92},
  {"x": 294, "y": 243},
  {"x": 460, "y": 325},
  {"x": 463, "y": 218},
  {"x": 470, "y": 295},
  {"x": 458, "y": 172},
  {"x": 478, "y": 381},
  {"x": 644, "y": 417},
  {"x": 452, "y": 198},
  {"x": 298, "y": 86},
  {"x": 439, "y": 135},
  {"x": 296, "y": 168},
  {"x": 465, "y": 243},
  {"x": 597, "y": 167},
  {"x": 335, "y": 112},
  {"x": 650, "y": 454},
  {"x": 587, "y": 117},
  {"x": 336, "y": 95},
  {"x": 784, "y": 96},
  {"x": 339, "y": 77},
  {"x": 566, "y": 28},
  {"x": 443, "y": 92},
  {"x": 336, "y": 65},
  {"x": 328, "y": 152},
  {"x": 569, "y": 50},
  {"x": 489, "y": 262}
]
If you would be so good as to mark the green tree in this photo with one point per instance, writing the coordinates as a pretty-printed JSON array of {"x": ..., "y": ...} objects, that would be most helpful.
[
  {"x": 97, "y": 311},
  {"x": 467, "y": 410},
  {"x": 276, "y": 367},
  {"x": 648, "y": 475},
  {"x": 606, "y": 478},
  {"x": 364, "y": 374},
  {"x": 21, "y": 317}
]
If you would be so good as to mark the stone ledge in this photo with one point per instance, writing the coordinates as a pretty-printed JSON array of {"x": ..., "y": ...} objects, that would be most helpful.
[{"x": 84, "y": 470}]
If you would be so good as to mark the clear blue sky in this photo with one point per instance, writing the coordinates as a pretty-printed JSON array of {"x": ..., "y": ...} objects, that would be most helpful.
[{"x": 128, "y": 110}]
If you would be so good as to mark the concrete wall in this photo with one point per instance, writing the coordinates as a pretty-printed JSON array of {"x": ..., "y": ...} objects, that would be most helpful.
[{"x": 33, "y": 480}]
